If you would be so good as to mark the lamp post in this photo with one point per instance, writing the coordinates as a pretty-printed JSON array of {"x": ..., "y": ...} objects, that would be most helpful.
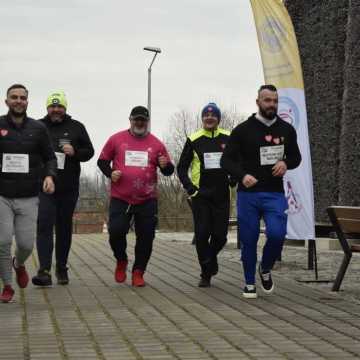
[{"x": 155, "y": 51}]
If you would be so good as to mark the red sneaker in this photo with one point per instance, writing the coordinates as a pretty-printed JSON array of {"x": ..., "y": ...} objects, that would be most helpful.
[
  {"x": 137, "y": 278},
  {"x": 120, "y": 271},
  {"x": 7, "y": 294},
  {"x": 22, "y": 277}
]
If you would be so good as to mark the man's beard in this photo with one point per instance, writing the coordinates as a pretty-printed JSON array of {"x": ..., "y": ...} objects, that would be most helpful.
[
  {"x": 269, "y": 114},
  {"x": 17, "y": 114},
  {"x": 56, "y": 119},
  {"x": 139, "y": 131}
]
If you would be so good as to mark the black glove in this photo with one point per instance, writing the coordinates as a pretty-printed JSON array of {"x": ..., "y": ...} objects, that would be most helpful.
[{"x": 192, "y": 190}]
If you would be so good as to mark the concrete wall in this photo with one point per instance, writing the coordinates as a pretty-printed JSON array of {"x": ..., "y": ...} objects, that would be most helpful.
[{"x": 327, "y": 32}]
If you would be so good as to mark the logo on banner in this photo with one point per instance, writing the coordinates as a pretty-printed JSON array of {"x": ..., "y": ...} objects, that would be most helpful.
[
  {"x": 272, "y": 33},
  {"x": 289, "y": 111},
  {"x": 293, "y": 200}
]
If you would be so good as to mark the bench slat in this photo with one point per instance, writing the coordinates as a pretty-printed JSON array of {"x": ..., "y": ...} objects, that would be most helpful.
[
  {"x": 355, "y": 248},
  {"x": 347, "y": 212},
  {"x": 349, "y": 225}
]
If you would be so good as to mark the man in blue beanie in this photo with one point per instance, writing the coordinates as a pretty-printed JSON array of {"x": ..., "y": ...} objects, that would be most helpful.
[{"x": 208, "y": 189}]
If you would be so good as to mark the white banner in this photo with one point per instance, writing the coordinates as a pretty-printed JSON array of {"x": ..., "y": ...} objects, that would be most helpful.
[{"x": 298, "y": 183}]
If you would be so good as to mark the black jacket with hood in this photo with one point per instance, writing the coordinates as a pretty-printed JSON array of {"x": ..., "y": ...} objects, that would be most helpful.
[{"x": 73, "y": 132}]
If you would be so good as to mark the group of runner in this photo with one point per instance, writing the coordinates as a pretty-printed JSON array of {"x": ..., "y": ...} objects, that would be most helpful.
[{"x": 39, "y": 187}]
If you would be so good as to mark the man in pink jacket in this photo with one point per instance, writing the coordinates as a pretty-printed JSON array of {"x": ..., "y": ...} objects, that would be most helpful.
[{"x": 130, "y": 159}]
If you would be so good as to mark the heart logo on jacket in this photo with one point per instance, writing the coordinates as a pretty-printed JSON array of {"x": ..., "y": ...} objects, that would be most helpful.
[
  {"x": 3, "y": 132},
  {"x": 268, "y": 138},
  {"x": 276, "y": 141}
]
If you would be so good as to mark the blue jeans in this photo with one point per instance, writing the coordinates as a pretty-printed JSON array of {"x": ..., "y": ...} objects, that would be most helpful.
[{"x": 251, "y": 207}]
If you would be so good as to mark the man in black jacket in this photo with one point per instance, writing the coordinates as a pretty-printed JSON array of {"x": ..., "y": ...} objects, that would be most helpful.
[
  {"x": 25, "y": 154},
  {"x": 208, "y": 189},
  {"x": 259, "y": 152},
  {"x": 72, "y": 145}
]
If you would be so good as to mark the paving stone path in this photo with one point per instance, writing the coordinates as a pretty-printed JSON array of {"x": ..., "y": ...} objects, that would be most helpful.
[{"x": 171, "y": 318}]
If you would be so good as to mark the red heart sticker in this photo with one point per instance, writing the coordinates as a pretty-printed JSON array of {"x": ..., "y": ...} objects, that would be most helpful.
[
  {"x": 276, "y": 141},
  {"x": 3, "y": 132},
  {"x": 268, "y": 138}
]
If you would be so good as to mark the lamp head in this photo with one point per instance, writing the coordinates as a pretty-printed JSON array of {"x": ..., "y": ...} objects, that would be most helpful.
[{"x": 152, "y": 49}]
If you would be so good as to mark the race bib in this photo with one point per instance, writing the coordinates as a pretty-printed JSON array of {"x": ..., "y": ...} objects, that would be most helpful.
[
  {"x": 212, "y": 160},
  {"x": 15, "y": 163},
  {"x": 136, "y": 158},
  {"x": 270, "y": 155},
  {"x": 60, "y": 157}
]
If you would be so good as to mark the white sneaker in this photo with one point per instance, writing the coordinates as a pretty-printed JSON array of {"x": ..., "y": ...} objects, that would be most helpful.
[{"x": 250, "y": 292}]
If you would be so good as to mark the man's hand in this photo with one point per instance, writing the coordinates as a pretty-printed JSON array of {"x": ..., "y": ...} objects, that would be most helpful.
[
  {"x": 163, "y": 161},
  {"x": 68, "y": 150},
  {"x": 249, "y": 181},
  {"x": 48, "y": 185},
  {"x": 115, "y": 175},
  {"x": 279, "y": 169}
]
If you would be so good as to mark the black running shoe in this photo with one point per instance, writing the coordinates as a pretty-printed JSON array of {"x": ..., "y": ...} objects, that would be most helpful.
[
  {"x": 43, "y": 278},
  {"x": 250, "y": 292},
  {"x": 62, "y": 276},
  {"x": 267, "y": 284},
  {"x": 204, "y": 282}
]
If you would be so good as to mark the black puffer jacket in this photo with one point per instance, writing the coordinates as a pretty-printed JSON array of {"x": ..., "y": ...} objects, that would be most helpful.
[
  {"x": 72, "y": 132},
  {"x": 30, "y": 138}
]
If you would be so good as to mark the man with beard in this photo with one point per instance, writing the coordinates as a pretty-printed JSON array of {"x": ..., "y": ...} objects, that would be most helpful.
[
  {"x": 72, "y": 146},
  {"x": 208, "y": 189},
  {"x": 130, "y": 159},
  {"x": 25, "y": 152},
  {"x": 259, "y": 153}
]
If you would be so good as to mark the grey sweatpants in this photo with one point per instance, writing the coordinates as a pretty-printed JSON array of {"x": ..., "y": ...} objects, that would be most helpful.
[{"x": 17, "y": 217}]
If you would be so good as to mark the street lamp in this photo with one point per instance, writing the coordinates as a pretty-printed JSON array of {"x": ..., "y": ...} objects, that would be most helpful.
[{"x": 156, "y": 51}]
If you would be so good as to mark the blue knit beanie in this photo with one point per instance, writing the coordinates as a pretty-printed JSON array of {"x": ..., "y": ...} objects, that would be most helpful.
[{"x": 213, "y": 109}]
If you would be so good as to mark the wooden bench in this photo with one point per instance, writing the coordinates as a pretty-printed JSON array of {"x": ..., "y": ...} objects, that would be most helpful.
[{"x": 346, "y": 222}]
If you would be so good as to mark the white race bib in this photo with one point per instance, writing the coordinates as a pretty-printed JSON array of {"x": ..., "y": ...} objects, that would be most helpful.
[
  {"x": 60, "y": 157},
  {"x": 212, "y": 160},
  {"x": 15, "y": 163},
  {"x": 270, "y": 155},
  {"x": 136, "y": 158}
]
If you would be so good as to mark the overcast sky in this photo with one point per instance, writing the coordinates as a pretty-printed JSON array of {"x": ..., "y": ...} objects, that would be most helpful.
[{"x": 92, "y": 50}]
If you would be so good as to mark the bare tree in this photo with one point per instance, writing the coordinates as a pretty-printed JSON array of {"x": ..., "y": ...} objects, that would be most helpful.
[{"x": 94, "y": 192}]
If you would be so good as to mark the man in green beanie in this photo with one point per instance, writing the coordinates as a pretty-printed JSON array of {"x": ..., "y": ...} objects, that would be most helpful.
[{"x": 72, "y": 146}]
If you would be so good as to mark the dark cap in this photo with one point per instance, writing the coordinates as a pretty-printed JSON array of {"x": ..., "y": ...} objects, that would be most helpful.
[{"x": 139, "y": 111}]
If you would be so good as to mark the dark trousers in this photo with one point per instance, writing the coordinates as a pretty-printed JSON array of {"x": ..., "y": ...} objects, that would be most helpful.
[
  {"x": 211, "y": 222},
  {"x": 55, "y": 211},
  {"x": 145, "y": 218}
]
